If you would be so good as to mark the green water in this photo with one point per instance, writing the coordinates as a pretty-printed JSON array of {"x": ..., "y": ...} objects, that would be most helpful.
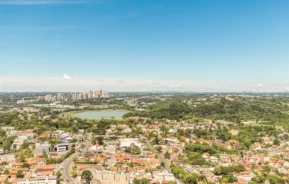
[{"x": 102, "y": 114}]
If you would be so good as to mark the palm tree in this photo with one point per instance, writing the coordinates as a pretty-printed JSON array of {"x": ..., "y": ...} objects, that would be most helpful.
[{"x": 87, "y": 176}]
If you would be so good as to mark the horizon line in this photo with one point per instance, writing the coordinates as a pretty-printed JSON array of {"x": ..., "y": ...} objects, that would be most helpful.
[{"x": 244, "y": 92}]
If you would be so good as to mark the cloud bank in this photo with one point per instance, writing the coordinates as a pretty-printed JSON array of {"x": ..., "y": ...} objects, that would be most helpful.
[{"x": 67, "y": 83}]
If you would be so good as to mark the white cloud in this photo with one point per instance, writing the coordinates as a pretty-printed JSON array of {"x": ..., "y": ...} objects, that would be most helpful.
[
  {"x": 259, "y": 85},
  {"x": 66, "y": 77},
  {"x": 66, "y": 83},
  {"x": 177, "y": 86},
  {"x": 286, "y": 88},
  {"x": 120, "y": 81}
]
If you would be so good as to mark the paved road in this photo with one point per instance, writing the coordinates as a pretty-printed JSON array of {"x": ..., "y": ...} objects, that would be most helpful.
[
  {"x": 160, "y": 156},
  {"x": 67, "y": 167},
  {"x": 68, "y": 163}
]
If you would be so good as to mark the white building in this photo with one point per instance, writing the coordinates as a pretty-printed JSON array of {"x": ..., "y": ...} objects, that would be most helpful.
[
  {"x": 42, "y": 147},
  {"x": 126, "y": 142},
  {"x": 111, "y": 149},
  {"x": 163, "y": 176},
  {"x": 61, "y": 147},
  {"x": 171, "y": 141},
  {"x": 9, "y": 158},
  {"x": 39, "y": 180},
  {"x": 17, "y": 143}
]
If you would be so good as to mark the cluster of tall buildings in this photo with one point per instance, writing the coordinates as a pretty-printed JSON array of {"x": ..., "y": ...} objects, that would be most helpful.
[{"x": 76, "y": 96}]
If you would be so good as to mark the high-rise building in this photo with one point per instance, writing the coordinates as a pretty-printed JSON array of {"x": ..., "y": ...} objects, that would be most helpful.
[
  {"x": 90, "y": 94},
  {"x": 97, "y": 94},
  {"x": 73, "y": 96},
  {"x": 48, "y": 98},
  {"x": 60, "y": 97}
]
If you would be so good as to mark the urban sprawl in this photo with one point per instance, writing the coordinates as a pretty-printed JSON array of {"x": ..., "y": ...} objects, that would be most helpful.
[{"x": 160, "y": 139}]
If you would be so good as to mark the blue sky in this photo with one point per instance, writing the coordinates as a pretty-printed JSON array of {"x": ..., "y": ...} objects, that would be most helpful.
[{"x": 143, "y": 45}]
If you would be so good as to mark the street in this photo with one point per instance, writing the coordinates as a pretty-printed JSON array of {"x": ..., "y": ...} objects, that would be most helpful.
[
  {"x": 160, "y": 156},
  {"x": 67, "y": 167},
  {"x": 68, "y": 163}
]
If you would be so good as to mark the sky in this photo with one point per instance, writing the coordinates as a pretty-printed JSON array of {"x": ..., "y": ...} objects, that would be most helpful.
[{"x": 144, "y": 45}]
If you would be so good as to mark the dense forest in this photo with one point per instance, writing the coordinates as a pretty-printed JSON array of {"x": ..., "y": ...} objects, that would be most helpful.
[{"x": 241, "y": 109}]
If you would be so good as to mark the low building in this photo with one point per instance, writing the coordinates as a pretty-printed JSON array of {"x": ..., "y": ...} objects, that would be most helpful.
[
  {"x": 61, "y": 147},
  {"x": 163, "y": 176},
  {"x": 17, "y": 143},
  {"x": 41, "y": 147},
  {"x": 9, "y": 158},
  {"x": 111, "y": 149},
  {"x": 44, "y": 170},
  {"x": 39, "y": 180},
  {"x": 124, "y": 143},
  {"x": 170, "y": 141}
]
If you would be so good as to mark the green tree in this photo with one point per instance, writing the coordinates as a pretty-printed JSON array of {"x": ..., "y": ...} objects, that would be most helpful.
[
  {"x": 87, "y": 176},
  {"x": 171, "y": 182},
  {"x": 73, "y": 140},
  {"x": 276, "y": 142},
  {"x": 202, "y": 179},
  {"x": 2, "y": 133},
  {"x": 141, "y": 181},
  {"x": 190, "y": 179},
  {"x": 58, "y": 174},
  {"x": 6, "y": 171},
  {"x": 26, "y": 165},
  {"x": 164, "y": 130},
  {"x": 195, "y": 159},
  {"x": 75, "y": 128},
  {"x": 231, "y": 178},
  {"x": 73, "y": 173},
  {"x": 100, "y": 140},
  {"x": 227, "y": 170},
  {"x": 25, "y": 145},
  {"x": 133, "y": 149},
  {"x": 224, "y": 135},
  {"x": 20, "y": 174},
  {"x": 167, "y": 155},
  {"x": 156, "y": 140},
  {"x": 158, "y": 148}
]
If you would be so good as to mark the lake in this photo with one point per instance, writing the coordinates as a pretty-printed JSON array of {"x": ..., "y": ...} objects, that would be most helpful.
[{"x": 101, "y": 114}]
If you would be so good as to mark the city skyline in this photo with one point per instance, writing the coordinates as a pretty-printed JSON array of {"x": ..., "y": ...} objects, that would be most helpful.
[
  {"x": 198, "y": 46},
  {"x": 65, "y": 96}
]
